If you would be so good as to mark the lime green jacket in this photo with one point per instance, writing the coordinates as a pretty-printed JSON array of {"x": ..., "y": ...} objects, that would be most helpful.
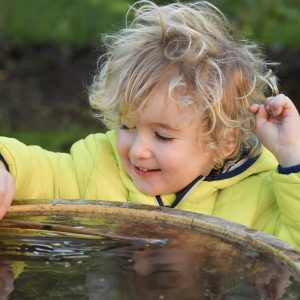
[{"x": 255, "y": 195}]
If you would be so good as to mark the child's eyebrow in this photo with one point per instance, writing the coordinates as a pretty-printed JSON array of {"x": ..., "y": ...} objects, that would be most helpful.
[{"x": 166, "y": 126}]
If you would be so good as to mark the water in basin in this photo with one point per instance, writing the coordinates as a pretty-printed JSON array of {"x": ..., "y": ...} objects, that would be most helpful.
[{"x": 191, "y": 265}]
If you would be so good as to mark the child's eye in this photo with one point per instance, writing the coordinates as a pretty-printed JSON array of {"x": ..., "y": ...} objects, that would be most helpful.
[{"x": 163, "y": 138}]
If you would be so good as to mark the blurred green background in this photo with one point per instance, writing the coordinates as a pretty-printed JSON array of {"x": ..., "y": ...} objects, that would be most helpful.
[{"x": 49, "y": 51}]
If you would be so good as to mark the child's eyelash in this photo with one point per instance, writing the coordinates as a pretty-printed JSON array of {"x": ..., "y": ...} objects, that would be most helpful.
[
  {"x": 157, "y": 135},
  {"x": 163, "y": 138},
  {"x": 126, "y": 128},
  {"x": 123, "y": 127}
]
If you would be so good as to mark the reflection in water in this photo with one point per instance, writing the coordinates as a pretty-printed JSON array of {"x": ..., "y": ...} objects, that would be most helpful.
[
  {"x": 205, "y": 270},
  {"x": 192, "y": 266}
]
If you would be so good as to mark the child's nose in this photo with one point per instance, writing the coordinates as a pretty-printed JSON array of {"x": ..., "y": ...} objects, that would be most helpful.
[{"x": 140, "y": 147}]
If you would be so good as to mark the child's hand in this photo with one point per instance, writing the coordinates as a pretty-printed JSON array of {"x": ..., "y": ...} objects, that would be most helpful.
[
  {"x": 278, "y": 128},
  {"x": 7, "y": 190}
]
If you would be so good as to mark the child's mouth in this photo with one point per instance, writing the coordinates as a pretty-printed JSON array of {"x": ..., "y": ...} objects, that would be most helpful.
[{"x": 144, "y": 171}]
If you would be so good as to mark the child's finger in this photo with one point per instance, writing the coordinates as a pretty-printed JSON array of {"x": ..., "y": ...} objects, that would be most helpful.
[
  {"x": 261, "y": 113},
  {"x": 253, "y": 108},
  {"x": 7, "y": 189},
  {"x": 279, "y": 104},
  {"x": 274, "y": 109},
  {"x": 261, "y": 110}
]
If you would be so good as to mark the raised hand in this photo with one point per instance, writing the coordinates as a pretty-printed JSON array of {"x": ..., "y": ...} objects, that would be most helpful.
[
  {"x": 7, "y": 190},
  {"x": 278, "y": 128}
]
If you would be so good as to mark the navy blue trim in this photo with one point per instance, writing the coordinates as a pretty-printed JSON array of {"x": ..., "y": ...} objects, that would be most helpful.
[
  {"x": 234, "y": 172},
  {"x": 159, "y": 200},
  {"x": 4, "y": 162},
  {"x": 184, "y": 191},
  {"x": 180, "y": 195},
  {"x": 289, "y": 170}
]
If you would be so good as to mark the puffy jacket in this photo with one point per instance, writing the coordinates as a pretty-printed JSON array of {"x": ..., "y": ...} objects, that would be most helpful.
[{"x": 254, "y": 194}]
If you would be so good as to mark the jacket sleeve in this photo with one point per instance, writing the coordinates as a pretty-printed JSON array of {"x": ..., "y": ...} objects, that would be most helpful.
[
  {"x": 287, "y": 190},
  {"x": 39, "y": 174},
  {"x": 87, "y": 172}
]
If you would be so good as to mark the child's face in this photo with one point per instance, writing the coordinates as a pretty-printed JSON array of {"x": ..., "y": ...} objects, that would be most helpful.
[{"x": 161, "y": 153}]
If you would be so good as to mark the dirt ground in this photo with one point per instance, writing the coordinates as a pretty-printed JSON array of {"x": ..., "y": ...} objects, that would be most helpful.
[{"x": 45, "y": 86}]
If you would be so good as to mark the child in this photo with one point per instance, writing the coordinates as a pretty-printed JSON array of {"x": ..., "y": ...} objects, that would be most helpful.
[{"x": 181, "y": 98}]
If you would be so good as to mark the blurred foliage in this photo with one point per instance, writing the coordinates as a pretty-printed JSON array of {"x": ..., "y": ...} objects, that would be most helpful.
[
  {"x": 274, "y": 22},
  {"x": 71, "y": 24},
  {"x": 60, "y": 21}
]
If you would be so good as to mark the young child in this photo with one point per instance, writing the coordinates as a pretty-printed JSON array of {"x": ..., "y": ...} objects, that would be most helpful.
[{"x": 191, "y": 128}]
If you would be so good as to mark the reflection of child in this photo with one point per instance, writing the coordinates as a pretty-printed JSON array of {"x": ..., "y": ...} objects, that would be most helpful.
[
  {"x": 194, "y": 267},
  {"x": 182, "y": 99},
  {"x": 6, "y": 281}
]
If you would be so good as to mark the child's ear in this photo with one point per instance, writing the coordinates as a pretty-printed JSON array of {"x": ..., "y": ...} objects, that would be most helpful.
[{"x": 229, "y": 143}]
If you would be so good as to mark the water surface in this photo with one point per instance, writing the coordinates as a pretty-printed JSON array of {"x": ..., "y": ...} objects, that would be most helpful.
[{"x": 193, "y": 265}]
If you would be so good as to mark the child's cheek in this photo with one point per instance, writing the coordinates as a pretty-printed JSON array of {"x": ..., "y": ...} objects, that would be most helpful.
[{"x": 123, "y": 144}]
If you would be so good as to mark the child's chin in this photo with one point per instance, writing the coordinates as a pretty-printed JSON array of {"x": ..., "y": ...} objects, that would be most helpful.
[{"x": 148, "y": 192}]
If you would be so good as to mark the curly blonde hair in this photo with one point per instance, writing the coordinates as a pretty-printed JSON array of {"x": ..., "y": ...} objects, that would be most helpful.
[{"x": 189, "y": 44}]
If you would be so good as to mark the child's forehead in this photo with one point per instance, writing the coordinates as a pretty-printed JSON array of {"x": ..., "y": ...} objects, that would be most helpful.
[
  {"x": 160, "y": 107},
  {"x": 172, "y": 99}
]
